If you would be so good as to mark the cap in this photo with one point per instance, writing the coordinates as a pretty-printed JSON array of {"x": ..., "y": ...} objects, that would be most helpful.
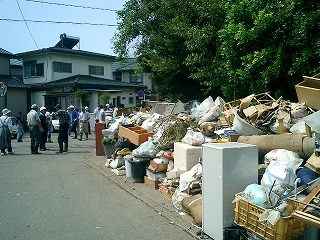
[
  {"x": 86, "y": 108},
  {"x": 34, "y": 106},
  {"x": 42, "y": 108},
  {"x": 71, "y": 106},
  {"x": 5, "y": 111},
  {"x": 58, "y": 106},
  {"x": 107, "y": 105}
]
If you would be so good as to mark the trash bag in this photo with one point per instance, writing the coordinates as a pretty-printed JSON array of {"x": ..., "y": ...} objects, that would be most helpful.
[
  {"x": 124, "y": 143},
  {"x": 148, "y": 148},
  {"x": 193, "y": 138}
]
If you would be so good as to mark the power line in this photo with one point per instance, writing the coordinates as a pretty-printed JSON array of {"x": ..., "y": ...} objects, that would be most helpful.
[
  {"x": 71, "y": 5},
  {"x": 56, "y": 22},
  {"x": 26, "y": 24}
]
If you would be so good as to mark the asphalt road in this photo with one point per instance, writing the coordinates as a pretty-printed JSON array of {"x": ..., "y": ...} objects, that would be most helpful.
[{"x": 74, "y": 196}]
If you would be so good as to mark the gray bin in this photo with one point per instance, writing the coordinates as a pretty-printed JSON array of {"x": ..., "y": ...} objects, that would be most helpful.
[{"x": 136, "y": 168}]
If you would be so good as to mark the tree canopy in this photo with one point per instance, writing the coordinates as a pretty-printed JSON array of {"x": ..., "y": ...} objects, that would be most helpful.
[{"x": 230, "y": 48}]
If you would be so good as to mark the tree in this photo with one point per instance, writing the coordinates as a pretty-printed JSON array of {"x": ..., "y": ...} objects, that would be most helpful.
[
  {"x": 104, "y": 98},
  {"x": 82, "y": 95},
  {"x": 231, "y": 48}
]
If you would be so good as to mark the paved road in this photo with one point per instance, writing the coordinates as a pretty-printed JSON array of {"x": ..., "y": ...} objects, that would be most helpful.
[{"x": 74, "y": 196}]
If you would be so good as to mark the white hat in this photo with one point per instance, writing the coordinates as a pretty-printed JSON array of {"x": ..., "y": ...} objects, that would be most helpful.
[
  {"x": 5, "y": 111},
  {"x": 34, "y": 106},
  {"x": 86, "y": 108},
  {"x": 107, "y": 105},
  {"x": 42, "y": 108},
  {"x": 71, "y": 106}
]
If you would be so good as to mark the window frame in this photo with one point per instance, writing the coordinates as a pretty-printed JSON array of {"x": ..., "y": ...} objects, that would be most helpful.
[
  {"x": 96, "y": 70},
  {"x": 32, "y": 69},
  {"x": 63, "y": 67}
]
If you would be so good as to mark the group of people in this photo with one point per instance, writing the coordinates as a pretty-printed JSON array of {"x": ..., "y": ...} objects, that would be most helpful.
[
  {"x": 40, "y": 127},
  {"x": 103, "y": 112}
]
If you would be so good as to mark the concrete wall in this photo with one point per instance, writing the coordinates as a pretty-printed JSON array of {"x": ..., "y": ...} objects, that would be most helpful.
[{"x": 80, "y": 65}]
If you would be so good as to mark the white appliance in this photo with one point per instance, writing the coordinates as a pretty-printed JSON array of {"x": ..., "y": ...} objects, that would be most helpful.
[
  {"x": 186, "y": 156},
  {"x": 228, "y": 168}
]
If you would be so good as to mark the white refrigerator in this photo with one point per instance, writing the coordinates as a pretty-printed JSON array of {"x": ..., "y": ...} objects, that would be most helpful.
[{"x": 227, "y": 169}]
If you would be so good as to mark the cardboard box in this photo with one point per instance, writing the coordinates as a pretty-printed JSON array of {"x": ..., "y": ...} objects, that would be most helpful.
[
  {"x": 150, "y": 183},
  {"x": 155, "y": 176},
  {"x": 158, "y": 167},
  {"x": 308, "y": 91},
  {"x": 135, "y": 134}
]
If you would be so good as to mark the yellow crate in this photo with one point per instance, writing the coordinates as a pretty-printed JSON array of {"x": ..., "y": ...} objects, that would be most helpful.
[{"x": 247, "y": 216}]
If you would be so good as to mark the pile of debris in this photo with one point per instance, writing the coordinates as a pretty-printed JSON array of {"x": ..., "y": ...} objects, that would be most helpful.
[{"x": 167, "y": 145}]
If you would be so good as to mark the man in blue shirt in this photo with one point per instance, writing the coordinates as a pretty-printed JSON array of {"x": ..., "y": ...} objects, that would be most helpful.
[{"x": 74, "y": 121}]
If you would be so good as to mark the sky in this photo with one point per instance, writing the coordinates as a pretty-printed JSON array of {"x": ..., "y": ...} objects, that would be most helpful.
[{"x": 15, "y": 36}]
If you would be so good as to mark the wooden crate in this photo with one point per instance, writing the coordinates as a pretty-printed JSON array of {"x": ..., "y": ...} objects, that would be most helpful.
[{"x": 135, "y": 134}]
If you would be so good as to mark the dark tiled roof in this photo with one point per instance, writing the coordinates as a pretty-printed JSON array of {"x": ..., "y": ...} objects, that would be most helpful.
[
  {"x": 5, "y": 52},
  {"x": 130, "y": 64},
  {"x": 64, "y": 51},
  {"x": 13, "y": 81},
  {"x": 16, "y": 62},
  {"x": 87, "y": 81}
]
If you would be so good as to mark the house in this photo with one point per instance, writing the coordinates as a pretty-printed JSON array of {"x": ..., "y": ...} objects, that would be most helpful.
[
  {"x": 56, "y": 73},
  {"x": 129, "y": 71},
  {"x": 14, "y": 92}
]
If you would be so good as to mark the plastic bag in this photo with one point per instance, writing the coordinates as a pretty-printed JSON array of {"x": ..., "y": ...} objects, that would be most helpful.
[
  {"x": 193, "y": 138},
  {"x": 278, "y": 173},
  {"x": 286, "y": 157},
  {"x": 188, "y": 177},
  {"x": 177, "y": 198},
  {"x": 256, "y": 194},
  {"x": 203, "y": 108},
  {"x": 148, "y": 148},
  {"x": 116, "y": 163}
]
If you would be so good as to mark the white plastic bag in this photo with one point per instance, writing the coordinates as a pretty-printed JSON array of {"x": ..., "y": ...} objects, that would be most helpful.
[
  {"x": 286, "y": 157},
  {"x": 193, "y": 138},
  {"x": 203, "y": 108}
]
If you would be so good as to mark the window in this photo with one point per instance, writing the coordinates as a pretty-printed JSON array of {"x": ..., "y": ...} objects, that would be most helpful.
[
  {"x": 96, "y": 70},
  {"x": 117, "y": 76},
  {"x": 135, "y": 78},
  {"x": 62, "y": 67},
  {"x": 33, "y": 69}
]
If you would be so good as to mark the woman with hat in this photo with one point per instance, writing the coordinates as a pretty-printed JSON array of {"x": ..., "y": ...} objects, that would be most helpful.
[{"x": 5, "y": 132}]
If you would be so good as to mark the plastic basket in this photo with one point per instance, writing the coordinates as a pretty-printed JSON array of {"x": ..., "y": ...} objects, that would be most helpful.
[{"x": 247, "y": 216}]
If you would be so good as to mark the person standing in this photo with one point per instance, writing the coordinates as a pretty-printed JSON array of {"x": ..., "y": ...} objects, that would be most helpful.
[
  {"x": 64, "y": 122},
  {"x": 89, "y": 127},
  {"x": 74, "y": 121},
  {"x": 44, "y": 124},
  {"x": 96, "y": 113},
  {"x": 5, "y": 132},
  {"x": 19, "y": 127},
  {"x": 35, "y": 128},
  {"x": 84, "y": 123},
  {"x": 49, "y": 119},
  {"x": 102, "y": 114}
]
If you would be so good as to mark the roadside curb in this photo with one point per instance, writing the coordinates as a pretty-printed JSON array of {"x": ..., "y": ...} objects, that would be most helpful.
[{"x": 152, "y": 198}]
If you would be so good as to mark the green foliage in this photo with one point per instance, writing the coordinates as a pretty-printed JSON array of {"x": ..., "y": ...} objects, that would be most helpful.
[
  {"x": 104, "y": 98},
  {"x": 82, "y": 95},
  {"x": 107, "y": 141},
  {"x": 221, "y": 47}
]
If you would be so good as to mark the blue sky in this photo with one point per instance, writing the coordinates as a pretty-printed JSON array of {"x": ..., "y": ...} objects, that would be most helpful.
[{"x": 15, "y": 36}]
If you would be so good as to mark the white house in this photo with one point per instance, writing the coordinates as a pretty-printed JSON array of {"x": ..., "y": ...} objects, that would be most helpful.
[{"x": 55, "y": 73}]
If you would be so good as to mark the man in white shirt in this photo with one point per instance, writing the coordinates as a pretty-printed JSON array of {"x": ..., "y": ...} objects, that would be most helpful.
[
  {"x": 96, "y": 114},
  {"x": 84, "y": 122},
  {"x": 35, "y": 128}
]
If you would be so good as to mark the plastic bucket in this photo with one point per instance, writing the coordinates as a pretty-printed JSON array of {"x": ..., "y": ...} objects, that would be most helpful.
[
  {"x": 136, "y": 169},
  {"x": 244, "y": 128}
]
